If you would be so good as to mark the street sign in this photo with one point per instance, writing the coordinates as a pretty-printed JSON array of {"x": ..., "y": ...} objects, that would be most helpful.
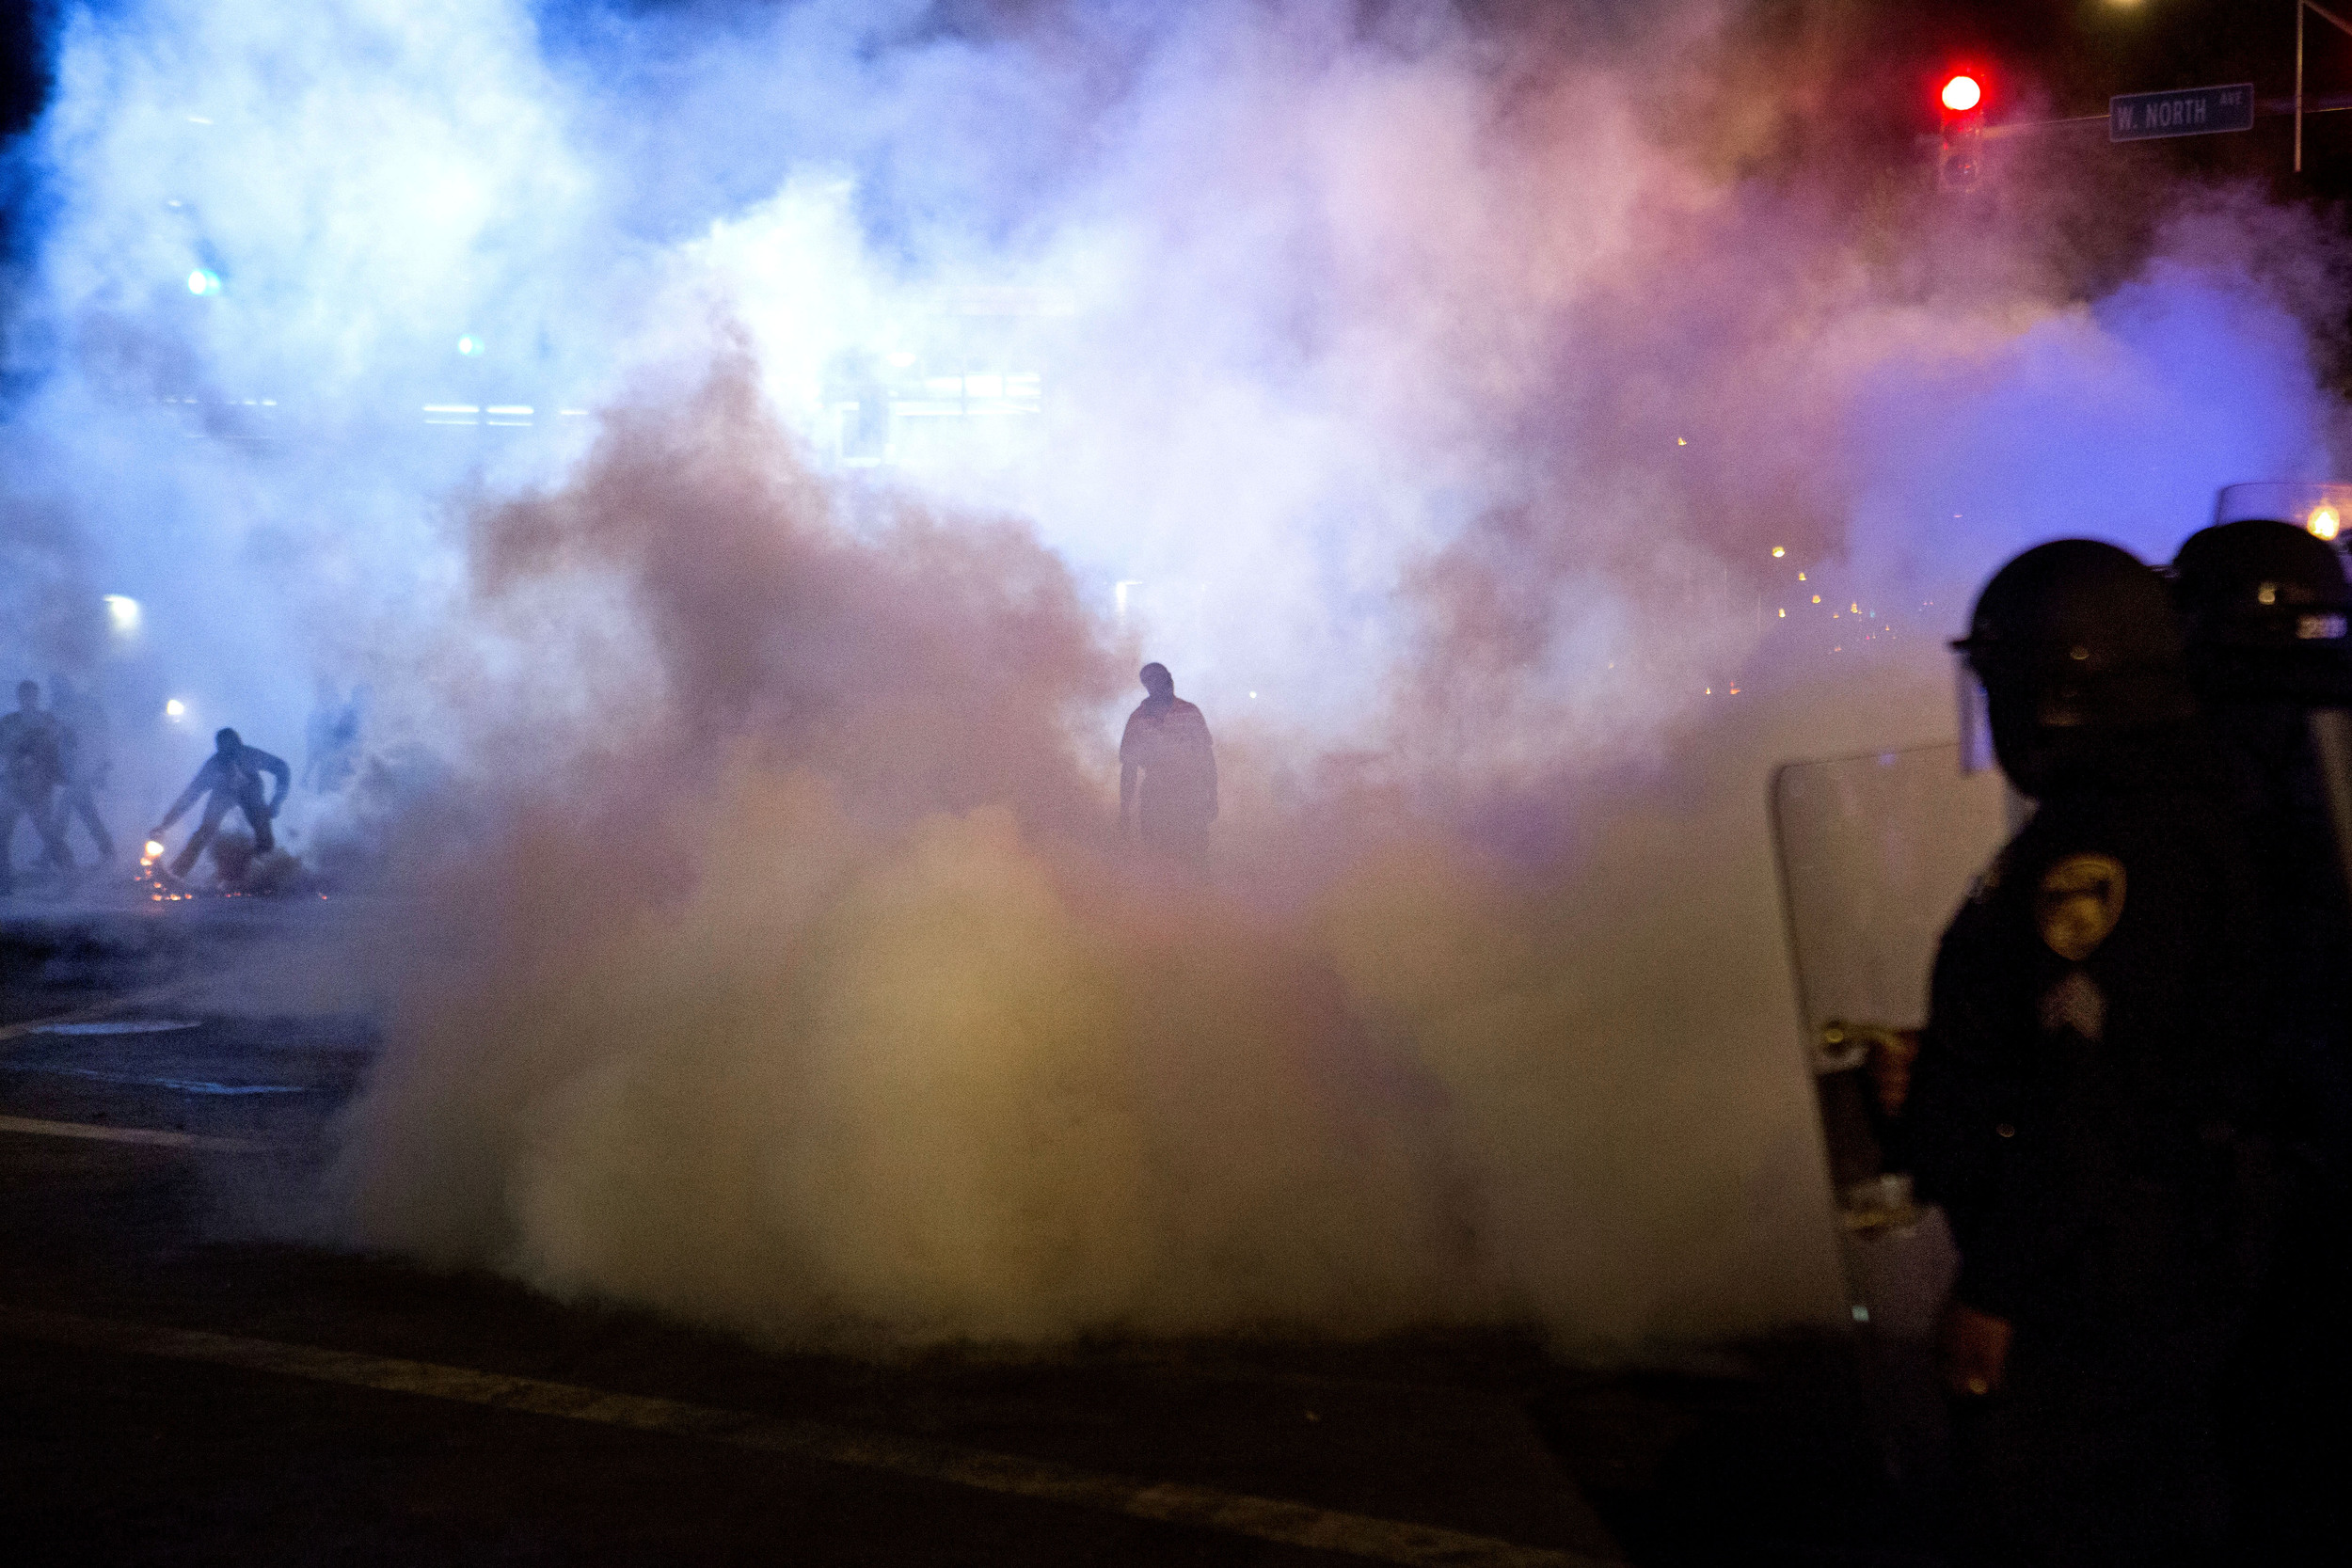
[{"x": 2186, "y": 112}]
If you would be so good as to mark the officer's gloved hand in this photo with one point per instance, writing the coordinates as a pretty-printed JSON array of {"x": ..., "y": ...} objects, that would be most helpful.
[
  {"x": 1973, "y": 1347},
  {"x": 1886, "y": 1052},
  {"x": 1892, "y": 1052}
]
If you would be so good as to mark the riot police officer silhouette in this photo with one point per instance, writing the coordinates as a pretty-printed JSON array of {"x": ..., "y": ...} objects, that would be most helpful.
[
  {"x": 2090, "y": 1096},
  {"x": 2267, "y": 611}
]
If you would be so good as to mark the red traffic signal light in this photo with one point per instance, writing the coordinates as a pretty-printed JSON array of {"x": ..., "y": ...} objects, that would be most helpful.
[{"x": 1958, "y": 157}]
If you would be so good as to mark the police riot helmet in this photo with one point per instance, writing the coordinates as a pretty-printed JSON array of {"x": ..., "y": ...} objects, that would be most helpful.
[
  {"x": 2268, "y": 614},
  {"x": 2073, "y": 642}
]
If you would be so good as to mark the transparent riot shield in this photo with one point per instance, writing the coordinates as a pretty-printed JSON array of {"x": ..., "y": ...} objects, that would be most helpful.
[{"x": 1876, "y": 852}]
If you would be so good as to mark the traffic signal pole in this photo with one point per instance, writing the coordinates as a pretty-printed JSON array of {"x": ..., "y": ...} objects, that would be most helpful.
[
  {"x": 2341, "y": 27},
  {"x": 2135, "y": 117}
]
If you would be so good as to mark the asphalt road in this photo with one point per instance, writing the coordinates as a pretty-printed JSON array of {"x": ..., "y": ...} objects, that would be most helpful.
[{"x": 185, "y": 1376}]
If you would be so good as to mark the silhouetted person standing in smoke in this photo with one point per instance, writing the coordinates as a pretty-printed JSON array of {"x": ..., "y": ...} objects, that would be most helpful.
[
  {"x": 89, "y": 754},
  {"x": 232, "y": 776},
  {"x": 32, "y": 765},
  {"x": 1167, "y": 743}
]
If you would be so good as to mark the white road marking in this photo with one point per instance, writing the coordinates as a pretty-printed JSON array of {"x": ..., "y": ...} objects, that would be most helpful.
[
  {"x": 99, "y": 1009},
  {"x": 156, "y": 1135},
  {"x": 1168, "y": 1502},
  {"x": 185, "y": 1086}
]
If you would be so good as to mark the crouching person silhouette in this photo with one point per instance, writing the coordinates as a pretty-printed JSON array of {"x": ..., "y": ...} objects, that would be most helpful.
[{"x": 232, "y": 776}]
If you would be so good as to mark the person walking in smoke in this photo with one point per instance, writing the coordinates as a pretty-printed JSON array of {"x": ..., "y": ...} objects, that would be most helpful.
[
  {"x": 232, "y": 776},
  {"x": 1167, "y": 742},
  {"x": 89, "y": 758},
  {"x": 32, "y": 765}
]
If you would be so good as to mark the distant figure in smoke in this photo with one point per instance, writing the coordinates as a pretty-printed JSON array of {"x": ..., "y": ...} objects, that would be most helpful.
[
  {"x": 32, "y": 756},
  {"x": 332, "y": 754},
  {"x": 233, "y": 777},
  {"x": 88, "y": 755},
  {"x": 1167, "y": 743}
]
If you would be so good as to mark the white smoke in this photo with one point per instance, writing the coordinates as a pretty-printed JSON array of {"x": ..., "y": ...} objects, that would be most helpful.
[{"x": 1452, "y": 419}]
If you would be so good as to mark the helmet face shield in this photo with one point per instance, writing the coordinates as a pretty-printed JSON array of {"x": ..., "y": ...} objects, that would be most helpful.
[
  {"x": 2320, "y": 510},
  {"x": 1975, "y": 713}
]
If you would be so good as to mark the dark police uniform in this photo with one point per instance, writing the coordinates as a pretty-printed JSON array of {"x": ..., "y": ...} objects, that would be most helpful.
[
  {"x": 2086, "y": 1107},
  {"x": 2289, "y": 1435},
  {"x": 2268, "y": 616}
]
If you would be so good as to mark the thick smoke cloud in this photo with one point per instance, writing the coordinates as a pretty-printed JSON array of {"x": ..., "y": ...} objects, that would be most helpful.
[{"x": 1430, "y": 390}]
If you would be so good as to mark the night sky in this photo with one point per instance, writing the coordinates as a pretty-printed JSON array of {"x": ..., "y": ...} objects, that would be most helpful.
[{"x": 2058, "y": 58}]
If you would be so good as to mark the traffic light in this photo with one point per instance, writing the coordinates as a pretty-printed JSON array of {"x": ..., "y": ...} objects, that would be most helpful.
[{"x": 1957, "y": 160}]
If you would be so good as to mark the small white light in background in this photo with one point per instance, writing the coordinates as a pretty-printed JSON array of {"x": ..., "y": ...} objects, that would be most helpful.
[
  {"x": 122, "y": 613},
  {"x": 175, "y": 708},
  {"x": 469, "y": 345}
]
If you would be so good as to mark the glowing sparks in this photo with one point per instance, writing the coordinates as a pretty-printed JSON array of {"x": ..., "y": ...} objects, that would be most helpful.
[
  {"x": 2325, "y": 522},
  {"x": 1779, "y": 550},
  {"x": 153, "y": 849}
]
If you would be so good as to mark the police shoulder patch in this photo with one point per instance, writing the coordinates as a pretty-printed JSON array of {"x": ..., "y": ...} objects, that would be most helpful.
[{"x": 2080, "y": 899}]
